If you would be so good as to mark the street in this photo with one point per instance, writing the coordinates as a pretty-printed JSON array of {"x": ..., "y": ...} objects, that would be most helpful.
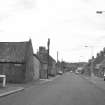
[{"x": 68, "y": 89}]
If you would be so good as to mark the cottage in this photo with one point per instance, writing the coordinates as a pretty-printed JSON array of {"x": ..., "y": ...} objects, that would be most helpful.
[
  {"x": 37, "y": 67},
  {"x": 58, "y": 67},
  {"x": 42, "y": 55},
  {"x": 16, "y": 61},
  {"x": 48, "y": 64},
  {"x": 52, "y": 67},
  {"x": 100, "y": 69}
]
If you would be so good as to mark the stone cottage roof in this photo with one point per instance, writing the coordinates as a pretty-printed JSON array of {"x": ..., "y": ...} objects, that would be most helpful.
[
  {"x": 44, "y": 58},
  {"x": 102, "y": 64},
  {"x": 51, "y": 59},
  {"x": 13, "y": 51},
  {"x": 43, "y": 55},
  {"x": 35, "y": 55}
]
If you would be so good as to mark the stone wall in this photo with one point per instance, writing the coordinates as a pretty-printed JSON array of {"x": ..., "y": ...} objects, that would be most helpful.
[
  {"x": 14, "y": 72},
  {"x": 29, "y": 74},
  {"x": 43, "y": 71},
  {"x": 37, "y": 67}
]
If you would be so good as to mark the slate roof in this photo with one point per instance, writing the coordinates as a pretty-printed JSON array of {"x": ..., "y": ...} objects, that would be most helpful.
[
  {"x": 43, "y": 55},
  {"x": 35, "y": 55},
  {"x": 13, "y": 51},
  {"x": 43, "y": 58},
  {"x": 51, "y": 59},
  {"x": 102, "y": 64}
]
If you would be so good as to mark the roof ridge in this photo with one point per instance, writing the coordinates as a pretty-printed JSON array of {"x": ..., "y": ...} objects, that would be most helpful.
[{"x": 16, "y": 42}]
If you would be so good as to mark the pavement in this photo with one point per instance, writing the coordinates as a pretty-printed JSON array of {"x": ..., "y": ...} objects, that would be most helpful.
[
  {"x": 99, "y": 82},
  {"x": 13, "y": 88},
  {"x": 4, "y": 91}
]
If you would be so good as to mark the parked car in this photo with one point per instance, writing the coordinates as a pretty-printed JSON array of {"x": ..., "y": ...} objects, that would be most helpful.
[
  {"x": 60, "y": 72},
  {"x": 76, "y": 72},
  {"x": 79, "y": 70}
]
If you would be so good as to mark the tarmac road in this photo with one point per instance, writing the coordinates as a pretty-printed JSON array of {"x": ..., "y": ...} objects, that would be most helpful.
[{"x": 68, "y": 89}]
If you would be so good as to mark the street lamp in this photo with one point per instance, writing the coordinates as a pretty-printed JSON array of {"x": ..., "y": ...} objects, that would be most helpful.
[
  {"x": 99, "y": 12},
  {"x": 92, "y": 50},
  {"x": 92, "y": 59},
  {"x": 80, "y": 58}
]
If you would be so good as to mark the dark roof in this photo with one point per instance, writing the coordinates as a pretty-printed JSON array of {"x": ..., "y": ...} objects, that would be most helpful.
[
  {"x": 43, "y": 58},
  {"x": 102, "y": 64},
  {"x": 35, "y": 55},
  {"x": 13, "y": 51},
  {"x": 51, "y": 59}
]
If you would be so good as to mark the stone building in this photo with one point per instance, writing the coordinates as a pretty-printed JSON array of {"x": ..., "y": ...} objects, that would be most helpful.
[
  {"x": 48, "y": 64},
  {"x": 16, "y": 61},
  {"x": 42, "y": 55},
  {"x": 52, "y": 67},
  {"x": 37, "y": 67}
]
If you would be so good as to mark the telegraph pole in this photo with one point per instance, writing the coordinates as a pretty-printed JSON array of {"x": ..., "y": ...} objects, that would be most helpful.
[
  {"x": 62, "y": 65},
  {"x": 57, "y": 63},
  {"x": 48, "y": 47},
  {"x": 57, "y": 56},
  {"x": 92, "y": 60}
]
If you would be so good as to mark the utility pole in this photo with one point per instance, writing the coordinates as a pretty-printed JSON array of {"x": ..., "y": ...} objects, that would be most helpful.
[
  {"x": 48, "y": 47},
  {"x": 57, "y": 56},
  {"x": 62, "y": 64},
  {"x": 92, "y": 60},
  {"x": 57, "y": 66}
]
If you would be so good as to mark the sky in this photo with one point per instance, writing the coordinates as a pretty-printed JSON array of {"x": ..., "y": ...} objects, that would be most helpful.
[{"x": 71, "y": 25}]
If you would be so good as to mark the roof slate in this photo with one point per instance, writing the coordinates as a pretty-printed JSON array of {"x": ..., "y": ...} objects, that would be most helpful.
[{"x": 13, "y": 51}]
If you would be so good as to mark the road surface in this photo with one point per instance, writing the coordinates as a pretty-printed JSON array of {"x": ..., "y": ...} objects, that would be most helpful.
[{"x": 68, "y": 89}]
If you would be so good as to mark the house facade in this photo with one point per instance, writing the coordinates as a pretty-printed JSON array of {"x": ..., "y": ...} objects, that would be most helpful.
[
  {"x": 52, "y": 67},
  {"x": 16, "y": 61},
  {"x": 42, "y": 55},
  {"x": 48, "y": 64},
  {"x": 37, "y": 67}
]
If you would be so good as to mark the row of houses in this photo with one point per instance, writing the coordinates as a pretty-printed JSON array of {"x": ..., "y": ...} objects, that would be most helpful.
[
  {"x": 97, "y": 64},
  {"x": 19, "y": 63},
  {"x": 74, "y": 67}
]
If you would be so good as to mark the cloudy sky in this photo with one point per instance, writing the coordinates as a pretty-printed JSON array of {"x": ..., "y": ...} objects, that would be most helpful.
[{"x": 70, "y": 24}]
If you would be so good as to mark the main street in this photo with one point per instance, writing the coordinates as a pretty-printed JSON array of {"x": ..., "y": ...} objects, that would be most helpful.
[{"x": 68, "y": 89}]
